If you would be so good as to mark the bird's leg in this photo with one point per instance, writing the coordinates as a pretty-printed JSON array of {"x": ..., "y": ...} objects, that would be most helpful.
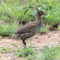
[{"x": 24, "y": 43}]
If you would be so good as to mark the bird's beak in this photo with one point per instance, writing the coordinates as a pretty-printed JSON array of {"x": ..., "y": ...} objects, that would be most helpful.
[{"x": 44, "y": 14}]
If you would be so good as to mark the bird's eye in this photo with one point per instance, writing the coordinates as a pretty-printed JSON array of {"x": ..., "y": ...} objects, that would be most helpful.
[{"x": 41, "y": 12}]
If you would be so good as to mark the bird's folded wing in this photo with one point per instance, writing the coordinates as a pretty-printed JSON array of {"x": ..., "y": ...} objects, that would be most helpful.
[{"x": 26, "y": 28}]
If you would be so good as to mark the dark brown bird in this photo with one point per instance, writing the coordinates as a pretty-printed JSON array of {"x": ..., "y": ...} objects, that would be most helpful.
[{"x": 30, "y": 29}]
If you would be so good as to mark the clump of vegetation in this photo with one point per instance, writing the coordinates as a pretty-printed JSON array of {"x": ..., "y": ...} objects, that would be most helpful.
[
  {"x": 49, "y": 53},
  {"x": 25, "y": 11},
  {"x": 44, "y": 30},
  {"x": 6, "y": 50},
  {"x": 8, "y": 29},
  {"x": 24, "y": 52}
]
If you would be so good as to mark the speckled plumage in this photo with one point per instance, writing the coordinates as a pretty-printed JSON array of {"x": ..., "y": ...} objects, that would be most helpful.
[{"x": 29, "y": 29}]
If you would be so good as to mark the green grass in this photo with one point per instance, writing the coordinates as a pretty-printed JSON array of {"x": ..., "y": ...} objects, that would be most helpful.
[
  {"x": 48, "y": 53},
  {"x": 44, "y": 30},
  {"x": 6, "y": 50},
  {"x": 25, "y": 10},
  {"x": 51, "y": 53},
  {"x": 24, "y": 52},
  {"x": 8, "y": 29},
  {"x": 59, "y": 27}
]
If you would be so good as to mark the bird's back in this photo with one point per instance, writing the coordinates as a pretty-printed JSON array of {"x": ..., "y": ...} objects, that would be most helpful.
[{"x": 28, "y": 30}]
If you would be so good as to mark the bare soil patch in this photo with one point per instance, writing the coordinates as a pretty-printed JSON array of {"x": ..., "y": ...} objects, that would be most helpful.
[{"x": 38, "y": 41}]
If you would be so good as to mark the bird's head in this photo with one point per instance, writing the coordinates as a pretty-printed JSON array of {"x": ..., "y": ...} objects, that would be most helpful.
[{"x": 40, "y": 13}]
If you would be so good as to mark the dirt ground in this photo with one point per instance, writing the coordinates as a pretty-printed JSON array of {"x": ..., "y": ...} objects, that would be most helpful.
[{"x": 38, "y": 41}]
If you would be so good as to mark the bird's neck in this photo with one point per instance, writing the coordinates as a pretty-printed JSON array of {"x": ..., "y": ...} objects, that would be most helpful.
[{"x": 38, "y": 18}]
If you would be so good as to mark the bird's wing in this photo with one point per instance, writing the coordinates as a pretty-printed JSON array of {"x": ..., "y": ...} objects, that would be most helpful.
[{"x": 26, "y": 28}]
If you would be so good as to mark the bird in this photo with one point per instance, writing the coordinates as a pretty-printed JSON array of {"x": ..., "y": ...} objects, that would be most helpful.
[{"x": 30, "y": 29}]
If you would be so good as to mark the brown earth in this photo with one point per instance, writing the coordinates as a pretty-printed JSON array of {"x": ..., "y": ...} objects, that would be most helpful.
[{"x": 38, "y": 41}]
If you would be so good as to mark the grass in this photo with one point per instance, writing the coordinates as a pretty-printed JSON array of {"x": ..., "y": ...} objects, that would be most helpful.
[
  {"x": 24, "y": 52},
  {"x": 6, "y": 50},
  {"x": 44, "y": 30},
  {"x": 25, "y": 11},
  {"x": 58, "y": 28},
  {"x": 48, "y": 53},
  {"x": 8, "y": 29},
  {"x": 51, "y": 53}
]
